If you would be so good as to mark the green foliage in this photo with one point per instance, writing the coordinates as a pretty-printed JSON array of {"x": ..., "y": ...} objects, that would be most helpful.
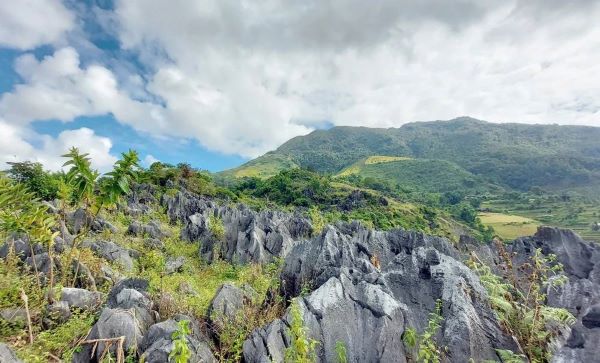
[
  {"x": 216, "y": 227},
  {"x": 508, "y": 356},
  {"x": 429, "y": 352},
  {"x": 60, "y": 341},
  {"x": 424, "y": 345},
  {"x": 340, "y": 351},
  {"x": 81, "y": 176},
  {"x": 180, "y": 352},
  {"x": 21, "y": 212},
  {"x": 410, "y": 337},
  {"x": 317, "y": 220},
  {"x": 518, "y": 300},
  {"x": 42, "y": 183},
  {"x": 117, "y": 182},
  {"x": 302, "y": 348}
]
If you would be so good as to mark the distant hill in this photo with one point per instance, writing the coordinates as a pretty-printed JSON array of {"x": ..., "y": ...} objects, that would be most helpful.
[{"x": 516, "y": 156}]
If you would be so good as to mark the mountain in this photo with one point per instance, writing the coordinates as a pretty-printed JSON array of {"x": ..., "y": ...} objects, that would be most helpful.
[{"x": 515, "y": 156}]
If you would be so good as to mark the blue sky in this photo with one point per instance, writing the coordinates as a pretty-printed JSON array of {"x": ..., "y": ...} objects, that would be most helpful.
[{"x": 214, "y": 83}]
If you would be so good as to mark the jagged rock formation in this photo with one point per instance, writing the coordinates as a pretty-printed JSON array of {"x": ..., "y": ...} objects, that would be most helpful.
[
  {"x": 370, "y": 287},
  {"x": 249, "y": 236},
  {"x": 580, "y": 295}
]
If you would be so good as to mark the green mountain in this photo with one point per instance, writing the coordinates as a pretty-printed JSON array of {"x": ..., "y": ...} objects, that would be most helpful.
[{"x": 515, "y": 156}]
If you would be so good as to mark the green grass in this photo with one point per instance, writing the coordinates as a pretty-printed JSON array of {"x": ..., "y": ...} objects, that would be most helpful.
[
  {"x": 264, "y": 167},
  {"x": 509, "y": 227}
]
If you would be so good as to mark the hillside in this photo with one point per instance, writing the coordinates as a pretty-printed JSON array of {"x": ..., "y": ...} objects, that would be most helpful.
[
  {"x": 416, "y": 174},
  {"x": 516, "y": 156}
]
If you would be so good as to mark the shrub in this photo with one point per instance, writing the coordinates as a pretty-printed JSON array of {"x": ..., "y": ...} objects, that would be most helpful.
[{"x": 181, "y": 352}]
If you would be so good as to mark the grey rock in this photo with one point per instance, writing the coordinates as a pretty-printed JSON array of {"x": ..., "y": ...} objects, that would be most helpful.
[
  {"x": 78, "y": 220},
  {"x": 154, "y": 244},
  {"x": 81, "y": 299},
  {"x": 112, "y": 252},
  {"x": 7, "y": 355},
  {"x": 227, "y": 304},
  {"x": 128, "y": 313},
  {"x": 250, "y": 236},
  {"x": 173, "y": 265},
  {"x": 13, "y": 315},
  {"x": 57, "y": 313},
  {"x": 580, "y": 295},
  {"x": 158, "y": 342},
  {"x": 20, "y": 246},
  {"x": 151, "y": 230},
  {"x": 371, "y": 286}
]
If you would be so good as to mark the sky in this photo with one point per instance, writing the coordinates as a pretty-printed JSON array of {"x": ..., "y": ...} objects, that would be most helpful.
[{"x": 216, "y": 83}]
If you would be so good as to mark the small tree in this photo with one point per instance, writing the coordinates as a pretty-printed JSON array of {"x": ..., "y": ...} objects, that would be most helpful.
[
  {"x": 81, "y": 176},
  {"x": 118, "y": 182}
]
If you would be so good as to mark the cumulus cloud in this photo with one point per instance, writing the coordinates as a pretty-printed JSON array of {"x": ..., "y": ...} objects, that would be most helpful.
[
  {"x": 243, "y": 77},
  {"x": 29, "y": 23},
  {"x": 20, "y": 144}
]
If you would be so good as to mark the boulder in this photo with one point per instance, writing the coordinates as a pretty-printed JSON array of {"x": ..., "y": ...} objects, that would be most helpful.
[
  {"x": 112, "y": 252},
  {"x": 128, "y": 313},
  {"x": 228, "y": 303},
  {"x": 158, "y": 342},
  {"x": 154, "y": 244},
  {"x": 7, "y": 355},
  {"x": 173, "y": 265},
  {"x": 57, "y": 313},
  {"x": 81, "y": 299},
  {"x": 151, "y": 230}
]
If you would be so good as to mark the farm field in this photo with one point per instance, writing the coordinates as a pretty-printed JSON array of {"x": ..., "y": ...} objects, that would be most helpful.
[{"x": 509, "y": 227}]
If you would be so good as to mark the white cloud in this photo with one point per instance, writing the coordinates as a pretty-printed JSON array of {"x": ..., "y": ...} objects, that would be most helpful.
[
  {"x": 29, "y": 23},
  {"x": 20, "y": 144},
  {"x": 239, "y": 77},
  {"x": 149, "y": 160}
]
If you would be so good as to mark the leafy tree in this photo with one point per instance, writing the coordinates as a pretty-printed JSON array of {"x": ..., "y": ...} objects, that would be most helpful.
[
  {"x": 81, "y": 176},
  {"x": 22, "y": 212},
  {"x": 119, "y": 180},
  {"x": 42, "y": 183}
]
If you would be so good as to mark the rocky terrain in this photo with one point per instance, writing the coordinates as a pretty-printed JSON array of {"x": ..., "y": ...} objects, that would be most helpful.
[{"x": 356, "y": 288}]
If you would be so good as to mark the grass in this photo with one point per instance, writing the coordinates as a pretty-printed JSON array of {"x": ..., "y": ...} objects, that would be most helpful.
[
  {"x": 264, "y": 167},
  {"x": 508, "y": 226}
]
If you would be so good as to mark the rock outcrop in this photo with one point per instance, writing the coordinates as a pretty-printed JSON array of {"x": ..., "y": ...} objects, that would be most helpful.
[
  {"x": 370, "y": 286},
  {"x": 249, "y": 236},
  {"x": 581, "y": 293}
]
